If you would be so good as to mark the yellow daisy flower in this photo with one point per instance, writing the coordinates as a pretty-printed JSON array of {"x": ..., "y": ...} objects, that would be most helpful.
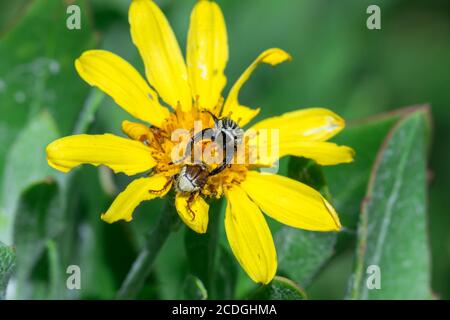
[{"x": 179, "y": 93}]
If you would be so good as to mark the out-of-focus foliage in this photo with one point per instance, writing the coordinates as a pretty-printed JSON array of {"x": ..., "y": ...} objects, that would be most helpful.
[
  {"x": 7, "y": 263},
  {"x": 50, "y": 221}
]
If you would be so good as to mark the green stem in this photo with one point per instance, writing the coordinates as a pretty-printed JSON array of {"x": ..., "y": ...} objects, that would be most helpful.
[
  {"x": 87, "y": 114},
  {"x": 142, "y": 266}
]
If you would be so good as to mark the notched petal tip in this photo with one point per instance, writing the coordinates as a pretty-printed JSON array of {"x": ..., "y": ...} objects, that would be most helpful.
[
  {"x": 240, "y": 113},
  {"x": 51, "y": 152},
  {"x": 347, "y": 154},
  {"x": 136, "y": 192},
  {"x": 352, "y": 153},
  {"x": 111, "y": 220},
  {"x": 56, "y": 167},
  {"x": 291, "y": 202},
  {"x": 275, "y": 56},
  {"x": 119, "y": 154}
]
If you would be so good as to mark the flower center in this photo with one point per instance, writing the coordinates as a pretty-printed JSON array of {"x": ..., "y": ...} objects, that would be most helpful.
[{"x": 171, "y": 140}]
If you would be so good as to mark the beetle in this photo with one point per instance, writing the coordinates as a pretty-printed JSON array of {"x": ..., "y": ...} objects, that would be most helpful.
[
  {"x": 226, "y": 132},
  {"x": 190, "y": 180}
]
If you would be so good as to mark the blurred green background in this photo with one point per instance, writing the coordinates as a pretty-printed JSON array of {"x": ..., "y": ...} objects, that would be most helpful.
[{"x": 338, "y": 64}]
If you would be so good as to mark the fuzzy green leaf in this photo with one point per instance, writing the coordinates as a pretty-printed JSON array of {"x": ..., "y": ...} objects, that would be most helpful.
[
  {"x": 365, "y": 137},
  {"x": 301, "y": 253},
  {"x": 392, "y": 232}
]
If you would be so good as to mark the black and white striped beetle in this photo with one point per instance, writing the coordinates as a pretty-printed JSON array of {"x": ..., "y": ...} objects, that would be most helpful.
[
  {"x": 190, "y": 180},
  {"x": 226, "y": 132}
]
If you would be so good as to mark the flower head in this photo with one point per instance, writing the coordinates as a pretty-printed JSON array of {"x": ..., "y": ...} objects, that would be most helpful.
[{"x": 176, "y": 97}]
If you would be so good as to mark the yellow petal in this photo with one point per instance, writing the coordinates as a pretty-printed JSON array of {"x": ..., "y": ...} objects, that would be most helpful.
[
  {"x": 267, "y": 146},
  {"x": 314, "y": 124},
  {"x": 291, "y": 202},
  {"x": 324, "y": 153},
  {"x": 207, "y": 53},
  {"x": 249, "y": 236},
  {"x": 137, "y": 191},
  {"x": 241, "y": 113},
  {"x": 159, "y": 49},
  {"x": 117, "y": 78},
  {"x": 197, "y": 217},
  {"x": 119, "y": 154}
]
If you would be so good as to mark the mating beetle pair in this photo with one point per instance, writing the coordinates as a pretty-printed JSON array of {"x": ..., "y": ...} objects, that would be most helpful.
[{"x": 192, "y": 177}]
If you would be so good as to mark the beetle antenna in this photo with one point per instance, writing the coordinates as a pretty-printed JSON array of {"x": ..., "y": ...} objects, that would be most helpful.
[{"x": 211, "y": 114}]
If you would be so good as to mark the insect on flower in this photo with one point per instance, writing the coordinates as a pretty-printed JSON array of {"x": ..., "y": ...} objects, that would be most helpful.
[
  {"x": 188, "y": 87},
  {"x": 226, "y": 133},
  {"x": 190, "y": 180}
]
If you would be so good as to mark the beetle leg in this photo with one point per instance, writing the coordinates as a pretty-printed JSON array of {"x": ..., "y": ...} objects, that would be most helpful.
[
  {"x": 189, "y": 201},
  {"x": 227, "y": 158},
  {"x": 164, "y": 187},
  {"x": 207, "y": 133}
]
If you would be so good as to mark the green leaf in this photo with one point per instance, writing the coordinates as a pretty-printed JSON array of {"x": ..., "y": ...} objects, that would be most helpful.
[
  {"x": 38, "y": 219},
  {"x": 365, "y": 137},
  {"x": 392, "y": 232},
  {"x": 194, "y": 289},
  {"x": 279, "y": 289},
  {"x": 26, "y": 163},
  {"x": 301, "y": 254},
  {"x": 7, "y": 266},
  {"x": 37, "y": 73}
]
